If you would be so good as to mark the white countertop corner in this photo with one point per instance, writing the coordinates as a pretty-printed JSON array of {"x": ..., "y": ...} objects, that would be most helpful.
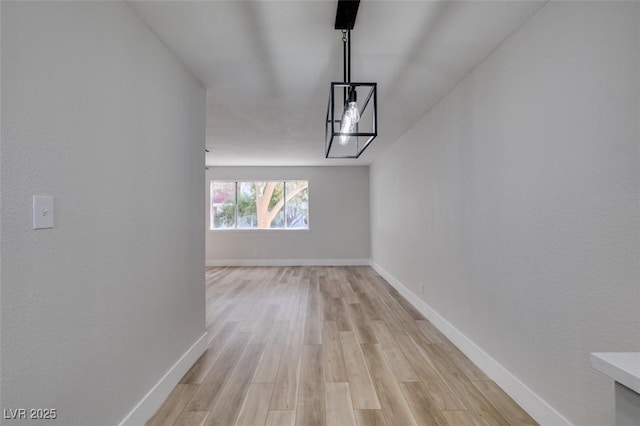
[{"x": 623, "y": 367}]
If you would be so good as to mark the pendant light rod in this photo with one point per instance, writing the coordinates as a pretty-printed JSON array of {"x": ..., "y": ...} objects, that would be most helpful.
[
  {"x": 348, "y": 56},
  {"x": 346, "y": 14},
  {"x": 344, "y": 55},
  {"x": 346, "y": 63}
]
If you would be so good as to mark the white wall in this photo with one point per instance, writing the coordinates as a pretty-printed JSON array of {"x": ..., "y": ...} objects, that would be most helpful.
[
  {"x": 99, "y": 114},
  {"x": 516, "y": 202},
  {"x": 338, "y": 219}
]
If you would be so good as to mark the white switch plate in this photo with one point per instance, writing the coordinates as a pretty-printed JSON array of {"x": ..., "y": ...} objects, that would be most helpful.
[{"x": 42, "y": 212}]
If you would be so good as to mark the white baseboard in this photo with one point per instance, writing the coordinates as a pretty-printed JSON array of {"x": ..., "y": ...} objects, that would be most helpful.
[
  {"x": 161, "y": 390},
  {"x": 287, "y": 262},
  {"x": 531, "y": 402}
]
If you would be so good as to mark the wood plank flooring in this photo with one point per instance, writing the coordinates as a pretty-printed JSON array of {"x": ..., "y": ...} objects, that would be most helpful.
[{"x": 327, "y": 346}]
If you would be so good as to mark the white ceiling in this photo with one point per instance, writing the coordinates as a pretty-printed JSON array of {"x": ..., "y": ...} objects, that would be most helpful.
[{"x": 267, "y": 65}]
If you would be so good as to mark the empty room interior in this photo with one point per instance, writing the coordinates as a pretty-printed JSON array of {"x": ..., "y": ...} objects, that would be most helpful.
[{"x": 322, "y": 212}]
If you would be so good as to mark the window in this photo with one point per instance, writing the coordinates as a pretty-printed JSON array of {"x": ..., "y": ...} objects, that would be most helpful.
[
  {"x": 260, "y": 205},
  {"x": 223, "y": 205},
  {"x": 297, "y": 205}
]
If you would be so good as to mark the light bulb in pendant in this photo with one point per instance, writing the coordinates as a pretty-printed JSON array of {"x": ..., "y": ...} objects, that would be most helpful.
[{"x": 350, "y": 118}]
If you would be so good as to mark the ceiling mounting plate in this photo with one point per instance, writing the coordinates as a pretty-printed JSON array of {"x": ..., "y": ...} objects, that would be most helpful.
[{"x": 346, "y": 14}]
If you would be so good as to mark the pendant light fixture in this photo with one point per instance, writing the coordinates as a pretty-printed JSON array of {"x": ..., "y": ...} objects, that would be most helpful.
[{"x": 351, "y": 122}]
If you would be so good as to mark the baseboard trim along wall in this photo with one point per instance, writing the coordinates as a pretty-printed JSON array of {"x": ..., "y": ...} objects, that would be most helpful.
[
  {"x": 533, "y": 404},
  {"x": 161, "y": 390},
  {"x": 287, "y": 262}
]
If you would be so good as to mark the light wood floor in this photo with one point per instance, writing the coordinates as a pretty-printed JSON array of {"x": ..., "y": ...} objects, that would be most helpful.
[{"x": 327, "y": 346}]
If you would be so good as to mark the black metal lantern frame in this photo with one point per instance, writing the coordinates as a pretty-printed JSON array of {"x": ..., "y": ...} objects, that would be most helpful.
[{"x": 339, "y": 141}]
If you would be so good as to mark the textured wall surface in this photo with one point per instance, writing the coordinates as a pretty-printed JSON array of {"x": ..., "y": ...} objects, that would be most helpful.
[
  {"x": 338, "y": 217},
  {"x": 516, "y": 202},
  {"x": 97, "y": 113}
]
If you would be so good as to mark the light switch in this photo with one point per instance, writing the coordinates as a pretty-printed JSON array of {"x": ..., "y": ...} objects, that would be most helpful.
[{"x": 42, "y": 212}]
